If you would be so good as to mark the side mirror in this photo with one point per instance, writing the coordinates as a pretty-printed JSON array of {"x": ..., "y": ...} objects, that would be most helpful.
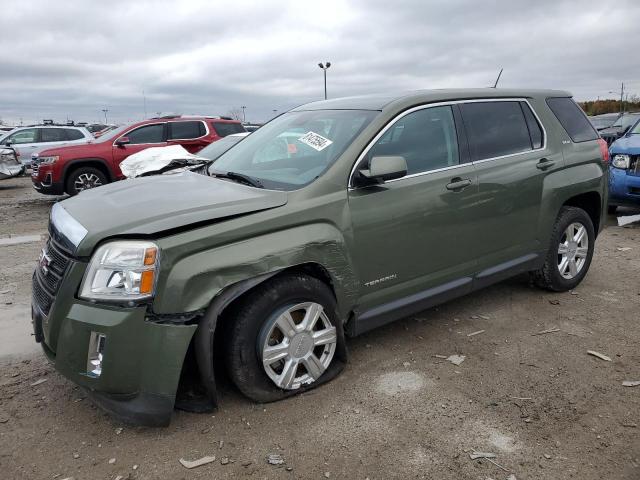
[
  {"x": 8, "y": 144},
  {"x": 382, "y": 169},
  {"x": 122, "y": 141}
]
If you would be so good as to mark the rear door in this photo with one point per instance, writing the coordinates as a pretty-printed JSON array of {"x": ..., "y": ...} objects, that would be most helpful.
[
  {"x": 140, "y": 138},
  {"x": 412, "y": 234},
  {"x": 191, "y": 134},
  {"x": 511, "y": 157}
]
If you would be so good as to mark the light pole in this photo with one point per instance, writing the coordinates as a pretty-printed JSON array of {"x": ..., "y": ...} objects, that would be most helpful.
[
  {"x": 105, "y": 110},
  {"x": 244, "y": 118},
  {"x": 621, "y": 97},
  {"x": 325, "y": 66}
]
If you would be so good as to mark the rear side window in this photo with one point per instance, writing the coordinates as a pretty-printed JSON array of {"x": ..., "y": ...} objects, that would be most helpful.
[
  {"x": 572, "y": 119},
  {"x": 495, "y": 129},
  {"x": 535, "y": 131},
  {"x": 223, "y": 129},
  {"x": 74, "y": 134},
  {"x": 53, "y": 135},
  {"x": 147, "y": 134},
  {"x": 186, "y": 130}
]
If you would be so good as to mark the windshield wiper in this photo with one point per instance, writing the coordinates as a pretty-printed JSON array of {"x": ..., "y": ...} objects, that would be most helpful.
[{"x": 239, "y": 177}]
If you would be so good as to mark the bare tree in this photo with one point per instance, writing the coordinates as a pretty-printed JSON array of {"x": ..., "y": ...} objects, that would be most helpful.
[{"x": 235, "y": 113}]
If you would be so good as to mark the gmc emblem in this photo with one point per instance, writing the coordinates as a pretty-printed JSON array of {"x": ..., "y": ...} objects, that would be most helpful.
[{"x": 44, "y": 261}]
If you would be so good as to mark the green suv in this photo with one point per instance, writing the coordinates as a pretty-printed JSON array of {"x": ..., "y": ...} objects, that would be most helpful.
[{"x": 334, "y": 218}]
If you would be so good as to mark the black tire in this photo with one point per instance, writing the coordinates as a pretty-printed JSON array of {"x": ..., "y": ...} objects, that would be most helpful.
[
  {"x": 256, "y": 309},
  {"x": 90, "y": 176},
  {"x": 549, "y": 277},
  {"x": 611, "y": 209}
]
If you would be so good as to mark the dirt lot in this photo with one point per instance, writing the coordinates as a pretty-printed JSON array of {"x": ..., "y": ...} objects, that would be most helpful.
[{"x": 540, "y": 403}]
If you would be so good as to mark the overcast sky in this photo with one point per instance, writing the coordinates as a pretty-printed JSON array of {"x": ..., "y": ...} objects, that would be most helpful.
[{"x": 72, "y": 59}]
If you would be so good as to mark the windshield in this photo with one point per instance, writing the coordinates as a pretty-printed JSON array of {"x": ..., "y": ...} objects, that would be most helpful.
[
  {"x": 636, "y": 129},
  {"x": 295, "y": 148},
  {"x": 111, "y": 135},
  {"x": 601, "y": 123},
  {"x": 215, "y": 149},
  {"x": 626, "y": 120}
]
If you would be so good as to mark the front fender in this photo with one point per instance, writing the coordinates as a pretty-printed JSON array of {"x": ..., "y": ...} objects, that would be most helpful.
[{"x": 194, "y": 280}]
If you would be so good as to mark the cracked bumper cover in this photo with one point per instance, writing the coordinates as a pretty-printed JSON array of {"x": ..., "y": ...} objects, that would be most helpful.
[{"x": 142, "y": 360}]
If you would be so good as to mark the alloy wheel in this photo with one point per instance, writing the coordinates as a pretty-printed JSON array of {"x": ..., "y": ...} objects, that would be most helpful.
[
  {"x": 85, "y": 181},
  {"x": 298, "y": 345},
  {"x": 573, "y": 250}
]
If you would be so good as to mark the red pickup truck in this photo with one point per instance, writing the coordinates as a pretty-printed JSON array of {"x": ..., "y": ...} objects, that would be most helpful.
[{"x": 75, "y": 168}]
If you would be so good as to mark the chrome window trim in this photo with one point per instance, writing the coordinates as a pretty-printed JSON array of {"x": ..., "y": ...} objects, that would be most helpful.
[
  {"x": 440, "y": 104},
  {"x": 124, "y": 134},
  {"x": 206, "y": 129}
]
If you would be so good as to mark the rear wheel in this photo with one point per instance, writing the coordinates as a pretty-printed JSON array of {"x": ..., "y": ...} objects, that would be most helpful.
[
  {"x": 570, "y": 251},
  {"x": 285, "y": 337},
  {"x": 84, "y": 178}
]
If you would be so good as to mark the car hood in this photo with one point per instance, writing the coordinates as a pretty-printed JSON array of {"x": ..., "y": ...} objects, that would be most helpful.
[
  {"x": 152, "y": 205},
  {"x": 629, "y": 145},
  {"x": 68, "y": 151}
]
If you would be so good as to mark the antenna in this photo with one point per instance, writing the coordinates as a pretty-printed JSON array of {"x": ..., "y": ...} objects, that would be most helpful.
[{"x": 497, "y": 79}]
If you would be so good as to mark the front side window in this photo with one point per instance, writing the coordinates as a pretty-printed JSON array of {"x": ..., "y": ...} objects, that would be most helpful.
[
  {"x": 147, "y": 134},
  {"x": 572, "y": 119},
  {"x": 23, "y": 136},
  {"x": 186, "y": 130},
  {"x": 53, "y": 135},
  {"x": 295, "y": 148},
  {"x": 495, "y": 129},
  {"x": 425, "y": 138}
]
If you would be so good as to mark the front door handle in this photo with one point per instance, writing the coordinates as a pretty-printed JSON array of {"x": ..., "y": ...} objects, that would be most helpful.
[
  {"x": 457, "y": 184},
  {"x": 545, "y": 163}
]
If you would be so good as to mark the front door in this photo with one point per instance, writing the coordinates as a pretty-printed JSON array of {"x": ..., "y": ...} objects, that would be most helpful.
[
  {"x": 141, "y": 138},
  {"x": 411, "y": 235}
]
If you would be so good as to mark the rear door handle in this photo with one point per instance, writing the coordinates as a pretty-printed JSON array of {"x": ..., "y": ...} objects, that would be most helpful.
[
  {"x": 545, "y": 163},
  {"x": 457, "y": 184}
]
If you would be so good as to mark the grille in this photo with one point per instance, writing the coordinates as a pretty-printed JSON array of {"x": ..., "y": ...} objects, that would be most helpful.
[
  {"x": 609, "y": 138},
  {"x": 46, "y": 285}
]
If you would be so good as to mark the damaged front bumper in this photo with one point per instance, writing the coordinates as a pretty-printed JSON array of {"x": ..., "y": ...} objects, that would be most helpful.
[{"x": 141, "y": 360}]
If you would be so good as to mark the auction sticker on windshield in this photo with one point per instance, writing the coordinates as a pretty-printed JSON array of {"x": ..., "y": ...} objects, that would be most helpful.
[{"x": 315, "y": 141}]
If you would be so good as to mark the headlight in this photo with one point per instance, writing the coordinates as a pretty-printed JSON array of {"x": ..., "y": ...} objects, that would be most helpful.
[
  {"x": 122, "y": 271},
  {"x": 621, "y": 161},
  {"x": 51, "y": 159}
]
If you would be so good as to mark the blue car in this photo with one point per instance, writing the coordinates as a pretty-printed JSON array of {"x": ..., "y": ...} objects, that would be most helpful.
[{"x": 624, "y": 170}]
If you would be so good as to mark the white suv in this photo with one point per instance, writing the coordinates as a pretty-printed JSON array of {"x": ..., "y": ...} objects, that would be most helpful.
[{"x": 27, "y": 141}]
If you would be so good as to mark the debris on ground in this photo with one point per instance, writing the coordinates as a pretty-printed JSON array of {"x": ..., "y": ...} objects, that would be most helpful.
[
  {"x": 197, "y": 463},
  {"x": 224, "y": 461},
  {"x": 549, "y": 330},
  {"x": 118, "y": 430},
  {"x": 39, "y": 382},
  {"x": 601, "y": 356},
  {"x": 327, "y": 474},
  {"x": 629, "y": 383},
  {"x": 554, "y": 302},
  {"x": 511, "y": 477},
  {"x": 443, "y": 357},
  {"x": 275, "y": 459},
  {"x": 474, "y": 455},
  {"x": 112, "y": 461},
  {"x": 456, "y": 359},
  {"x": 627, "y": 219},
  {"x": 623, "y": 249},
  {"x": 475, "y": 333}
]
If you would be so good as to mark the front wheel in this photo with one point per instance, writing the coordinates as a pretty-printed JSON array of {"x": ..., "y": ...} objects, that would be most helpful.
[
  {"x": 84, "y": 178},
  {"x": 284, "y": 337},
  {"x": 570, "y": 251}
]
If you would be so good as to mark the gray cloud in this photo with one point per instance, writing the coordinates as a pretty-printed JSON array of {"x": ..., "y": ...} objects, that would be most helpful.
[{"x": 74, "y": 58}]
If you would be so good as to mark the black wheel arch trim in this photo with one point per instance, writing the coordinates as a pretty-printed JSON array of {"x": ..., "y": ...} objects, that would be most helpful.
[{"x": 81, "y": 162}]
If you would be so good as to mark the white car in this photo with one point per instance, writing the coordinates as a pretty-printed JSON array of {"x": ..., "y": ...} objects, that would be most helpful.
[{"x": 27, "y": 141}]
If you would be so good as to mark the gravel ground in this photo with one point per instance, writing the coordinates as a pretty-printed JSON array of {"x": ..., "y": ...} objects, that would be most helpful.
[{"x": 540, "y": 403}]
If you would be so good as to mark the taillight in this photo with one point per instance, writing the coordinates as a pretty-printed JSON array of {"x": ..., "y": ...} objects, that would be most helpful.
[{"x": 604, "y": 150}]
